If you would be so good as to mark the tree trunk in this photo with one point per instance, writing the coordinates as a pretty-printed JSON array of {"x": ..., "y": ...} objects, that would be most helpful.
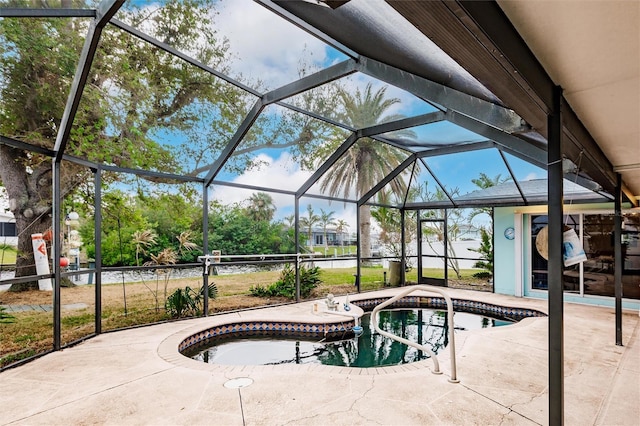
[
  {"x": 25, "y": 263},
  {"x": 29, "y": 195},
  {"x": 365, "y": 232}
]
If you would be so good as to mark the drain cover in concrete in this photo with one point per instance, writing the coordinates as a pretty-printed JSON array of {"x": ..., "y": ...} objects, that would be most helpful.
[{"x": 238, "y": 382}]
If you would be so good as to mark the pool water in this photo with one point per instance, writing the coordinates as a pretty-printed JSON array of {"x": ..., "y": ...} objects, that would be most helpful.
[{"x": 424, "y": 326}]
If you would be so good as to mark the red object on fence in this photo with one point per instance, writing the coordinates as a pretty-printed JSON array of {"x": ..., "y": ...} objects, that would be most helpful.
[{"x": 47, "y": 235}]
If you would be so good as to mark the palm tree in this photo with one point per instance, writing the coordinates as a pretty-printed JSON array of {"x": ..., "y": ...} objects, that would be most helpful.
[
  {"x": 167, "y": 256},
  {"x": 261, "y": 207},
  {"x": 290, "y": 220},
  {"x": 326, "y": 219},
  {"x": 186, "y": 245},
  {"x": 483, "y": 182},
  {"x": 342, "y": 225},
  {"x": 308, "y": 222},
  {"x": 142, "y": 241},
  {"x": 368, "y": 161}
]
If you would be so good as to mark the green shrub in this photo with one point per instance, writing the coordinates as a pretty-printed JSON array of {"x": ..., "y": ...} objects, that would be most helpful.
[
  {"x": 486, "y": 256},
  {"x": 187, "y": 301},
  {"x": 261, "y": 291},
  {"x": 179, "y": 303},
  {"x": 286, "y": 284},
  {"x": 483, "y": 275}
]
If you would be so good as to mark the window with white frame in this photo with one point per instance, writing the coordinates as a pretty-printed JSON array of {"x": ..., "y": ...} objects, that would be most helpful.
[{"x": 594, "y": 276}]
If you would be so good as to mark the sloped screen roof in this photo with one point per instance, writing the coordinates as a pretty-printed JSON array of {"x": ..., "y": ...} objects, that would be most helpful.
[{"x": 292, "y": 97}]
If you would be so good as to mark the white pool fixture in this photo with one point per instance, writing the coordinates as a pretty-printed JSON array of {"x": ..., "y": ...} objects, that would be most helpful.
[
  {"x": 332, "y": 304},
  {"x": 452, "y": 343},
  {"x": 346, "y": 305},
  {"x": 357, "y": 330}
]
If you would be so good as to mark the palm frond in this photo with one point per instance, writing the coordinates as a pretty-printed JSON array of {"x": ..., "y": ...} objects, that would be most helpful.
[
  {"x": 185, "y": 241},
  {"x": 167, "y": 256},
  {"x": 143, "y": 239}
]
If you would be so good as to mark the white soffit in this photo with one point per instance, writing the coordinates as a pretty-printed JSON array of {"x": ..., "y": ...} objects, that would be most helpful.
[{"x": 592, "y": 50}]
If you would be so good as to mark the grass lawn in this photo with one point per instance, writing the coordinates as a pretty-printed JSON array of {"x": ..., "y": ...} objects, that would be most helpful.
[
  {"x": 7, "y": 255},
  {"x": 131, "y": 304}
]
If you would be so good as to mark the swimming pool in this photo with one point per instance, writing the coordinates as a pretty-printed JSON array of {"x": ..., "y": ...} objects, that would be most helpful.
[{"x": 421, "y": 325}]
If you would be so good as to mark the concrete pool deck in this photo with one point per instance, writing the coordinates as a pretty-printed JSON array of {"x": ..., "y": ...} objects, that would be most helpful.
[{"x": 137, "y": 376}]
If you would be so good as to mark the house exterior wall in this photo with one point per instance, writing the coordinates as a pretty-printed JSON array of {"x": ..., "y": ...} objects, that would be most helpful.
[
  {"x": 504, "y": 279},
  {"x": 8, "y": 233},
  {"x": 512, "y": 257}
]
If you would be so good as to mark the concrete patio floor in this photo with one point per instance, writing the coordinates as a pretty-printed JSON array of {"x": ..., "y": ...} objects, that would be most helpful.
[{"x": 137, "y": 376}]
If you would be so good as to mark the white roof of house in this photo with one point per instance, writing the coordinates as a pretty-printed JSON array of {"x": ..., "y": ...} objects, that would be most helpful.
[{"x": 6, "y": 216}]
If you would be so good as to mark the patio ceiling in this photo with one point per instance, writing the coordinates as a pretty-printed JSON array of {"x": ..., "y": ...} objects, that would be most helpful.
[
  {"x": 512, "y": 53},
  {"x": 592, "y": 50}
]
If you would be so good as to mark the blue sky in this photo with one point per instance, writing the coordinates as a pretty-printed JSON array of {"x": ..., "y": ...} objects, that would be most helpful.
[{"x": 271, "y": 49}]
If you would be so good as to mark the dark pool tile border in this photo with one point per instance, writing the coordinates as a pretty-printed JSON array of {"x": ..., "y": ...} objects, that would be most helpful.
[
  {"x": 459, "y": 305},
  {"x": 268, "y": 328},
  {"x": 337, "y": 330}
]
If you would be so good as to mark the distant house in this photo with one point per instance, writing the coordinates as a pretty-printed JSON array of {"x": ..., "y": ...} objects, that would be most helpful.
[
  {"x": 318, "y": 234},
  {"x": 8, "y": 231},
  {"x": 334, "y": 238},
  {"x": 468, "y": 231}
]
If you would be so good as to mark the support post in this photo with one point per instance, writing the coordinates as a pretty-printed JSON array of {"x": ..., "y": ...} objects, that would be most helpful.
[
  {"x": 56, "y": 202},
  {"x": 358, "y": 251},
  {"x": 205, "y": 247},
  {"x": 555, "y": 263},
  {"x": 617, "y": 255},
  {"x": 445, "y": 239},
  {"x": 403, "y": 251},
  {"x": 419, "y": 248},
  {"x": 297, "y": 238},
  {"x": 97, "y": 237}
]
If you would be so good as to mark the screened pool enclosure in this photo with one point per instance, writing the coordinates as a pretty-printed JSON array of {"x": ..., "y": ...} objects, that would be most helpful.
[{"x": 336, "y": 131}]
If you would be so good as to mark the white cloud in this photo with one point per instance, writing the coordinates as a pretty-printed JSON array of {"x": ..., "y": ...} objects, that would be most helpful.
[
  {"x": 268, "y": 47},
  {"x": 285, "y": 174},
  {"x": 281, "y": 173},
  {"x": 531, "y": 176}
]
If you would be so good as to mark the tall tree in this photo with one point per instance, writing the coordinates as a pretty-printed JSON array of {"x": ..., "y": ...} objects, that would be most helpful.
[
  {"x": 132, "y": 93},
  {"x": 483, "y": 182},
  {"x": 233, "y": 232},
  {"x": 326, "y": 219},
  {"x": 135, "y": 94},
  {"x": 368, "y": 161},
  {"x": 341, "y": 227},
  {"x": 308, "y": 222},
  {"x": 290, "y": 220},
  {"x": 261, "y": 207}
]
